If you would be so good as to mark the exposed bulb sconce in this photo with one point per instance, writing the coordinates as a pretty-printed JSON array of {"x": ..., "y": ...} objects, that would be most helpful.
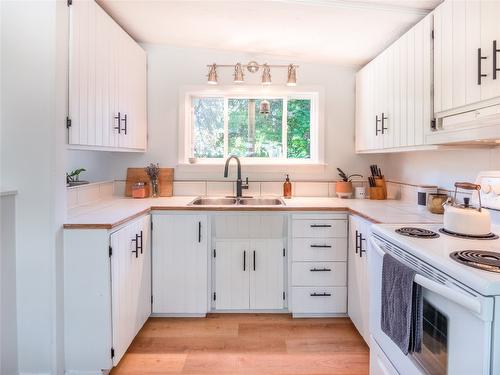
[
  {"x": 264, "y": 107},
  {"x": 266, "y": 75},
  {"x": 253, "y": 67},
  {"x": 212, "y": 74},
  {"x": 238, "y": 74},
  {"x": 292, "y": 76}
]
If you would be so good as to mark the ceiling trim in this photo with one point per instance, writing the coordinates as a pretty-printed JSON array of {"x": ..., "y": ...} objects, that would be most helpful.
[{"x": 360, "y": 5}]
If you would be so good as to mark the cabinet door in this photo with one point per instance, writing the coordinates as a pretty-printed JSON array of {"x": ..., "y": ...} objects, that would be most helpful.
[
  {"x": 365, "y": 110},
  {"x": 232, "y": 275},
  {"x": 266, "y": 274},
  {"x": 358, "y": 297},
  {"x": 490, "y": 32},
  {"x": 92, "y": 76},
  {"x": 124, "y": 291},
  {"x": 144, "y": 272},
  {"x": 457, "y": 37},
  {"x": 355, "y": 275},
  {"x": 180, "y": 264}
]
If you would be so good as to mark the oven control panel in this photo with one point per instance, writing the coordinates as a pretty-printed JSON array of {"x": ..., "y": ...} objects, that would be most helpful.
[{"x": 490, "y": 189}]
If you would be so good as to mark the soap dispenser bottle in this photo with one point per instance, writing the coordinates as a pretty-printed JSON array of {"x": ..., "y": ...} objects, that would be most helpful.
[{"x": 287, "y": 188}]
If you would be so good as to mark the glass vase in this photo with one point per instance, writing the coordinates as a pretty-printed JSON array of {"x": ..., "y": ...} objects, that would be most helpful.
[{"x": 154, "y": 188}]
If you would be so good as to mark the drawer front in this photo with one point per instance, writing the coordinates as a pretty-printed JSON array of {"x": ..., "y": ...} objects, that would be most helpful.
[
  {"x": 320, "y": 228},
  {"x": 319, "y": 274},
  {"x": 319, "y": 249},
  {"x": 311, "y": 300}
]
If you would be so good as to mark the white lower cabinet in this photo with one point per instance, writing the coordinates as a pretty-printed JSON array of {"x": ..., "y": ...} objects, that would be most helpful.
[
  {"x": 319, "y": 268},
  {"x": 249, "y": 274},
  {"x": 359, "y": 230},
  {"x": 180, "y": 256},
  {"x": 107, "y": 293},
  {"x": 130, "y": 283}
]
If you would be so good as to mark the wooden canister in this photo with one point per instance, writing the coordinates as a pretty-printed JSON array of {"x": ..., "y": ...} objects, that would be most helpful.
[{"x": 377, "y": 193}]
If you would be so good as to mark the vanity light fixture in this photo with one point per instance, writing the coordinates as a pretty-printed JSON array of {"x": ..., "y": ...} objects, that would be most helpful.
[
  {"x": 238, "y": 74},
  {"x": 253, "y": 67},
  {"x": 292, "y": 76},
  {"x": 212, "y": 74},
  {"x": 266, "y": 75}
]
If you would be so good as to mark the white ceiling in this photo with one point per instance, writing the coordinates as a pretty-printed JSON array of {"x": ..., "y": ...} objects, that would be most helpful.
[{"x": 344, "y": 32}]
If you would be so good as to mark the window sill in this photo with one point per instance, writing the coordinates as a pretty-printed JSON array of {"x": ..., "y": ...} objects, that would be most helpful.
[{"x": 255, "y": 166}]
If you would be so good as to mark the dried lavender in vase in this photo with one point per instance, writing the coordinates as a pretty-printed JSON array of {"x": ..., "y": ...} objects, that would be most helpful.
[{"x": 153, "y": 171}]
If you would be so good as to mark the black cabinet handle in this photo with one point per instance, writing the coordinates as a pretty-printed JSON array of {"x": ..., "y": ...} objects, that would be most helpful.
[
  {"x": 320, "y": 270},
  {"x": 384, "y": 128},
  {"x": 139, "y": 236},
  {"x": 199, "y": 231},
  {"x": 321, "y": 226},
  {"x": 377, "y": 120},
  {"x": 244, "y": 260},
  {"x": 495, "y": 51},
  {"x": 254, "y": 260},
  {"x": 479, "y": 59},
  {"x": 321, "y": 246},
  {"x": 124, "y": 119},
  {"x": 320, "y": 294},
  {"x": 361, "y": 250},
  {"x": 119, "y": 118},
  {"x": 356, "y": 248},
  {"x": 136, "y": 251}
]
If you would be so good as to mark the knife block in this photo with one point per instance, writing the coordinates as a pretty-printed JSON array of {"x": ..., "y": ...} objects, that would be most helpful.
[{"x": 379, "y": 191}]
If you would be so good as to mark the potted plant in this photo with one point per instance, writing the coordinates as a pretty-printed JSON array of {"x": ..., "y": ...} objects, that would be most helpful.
[
  {"x": 343, "y": 188},
  {"x": 153, "y": 172}
]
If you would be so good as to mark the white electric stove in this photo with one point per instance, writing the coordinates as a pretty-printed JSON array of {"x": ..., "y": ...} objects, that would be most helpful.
[{"x": 460, "y": 279}]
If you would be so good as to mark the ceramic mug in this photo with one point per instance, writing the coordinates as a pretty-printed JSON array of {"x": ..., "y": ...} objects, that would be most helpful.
[{"x": 360, "y": 192}]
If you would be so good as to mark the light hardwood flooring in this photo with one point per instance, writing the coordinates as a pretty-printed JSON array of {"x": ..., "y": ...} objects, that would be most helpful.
[{"x": 249, "y": 344}]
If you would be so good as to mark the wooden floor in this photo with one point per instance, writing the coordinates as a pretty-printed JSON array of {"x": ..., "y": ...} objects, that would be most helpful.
[{"x": 263, "y": 344}]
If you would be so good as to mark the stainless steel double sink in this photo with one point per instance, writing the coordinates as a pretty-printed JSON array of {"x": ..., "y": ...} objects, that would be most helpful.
[{"x": 232, "y": 201}]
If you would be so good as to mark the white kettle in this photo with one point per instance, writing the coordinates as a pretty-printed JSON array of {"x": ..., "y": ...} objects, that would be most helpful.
[{"x": 463, "y": 218}]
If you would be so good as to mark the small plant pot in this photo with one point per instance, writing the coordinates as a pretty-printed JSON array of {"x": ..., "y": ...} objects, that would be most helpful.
[{"x": 343, "y": 189}]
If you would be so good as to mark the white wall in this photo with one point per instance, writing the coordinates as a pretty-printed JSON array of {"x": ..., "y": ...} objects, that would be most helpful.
[
  {"x": 441, "y": 167},
  {"x": 32, "y": 161},
  {"x": 169, "y": 68}
]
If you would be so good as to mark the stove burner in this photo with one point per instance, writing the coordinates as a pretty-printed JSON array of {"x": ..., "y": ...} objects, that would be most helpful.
[
  {"x": 484, "y": 260},
  {"x": 417, "y": 232},
  {"x": 489, "y": 236}
]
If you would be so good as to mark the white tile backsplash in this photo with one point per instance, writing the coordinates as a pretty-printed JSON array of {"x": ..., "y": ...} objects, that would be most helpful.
[
  {"x": 253, "y": 189},
  {"x": 220, "y": 188},
  {"x": 273, "y": 188},
  {"x": 85, "y": 194},
  {"x": 311, "y": 189},
  {"x": 190, "y": 188}
]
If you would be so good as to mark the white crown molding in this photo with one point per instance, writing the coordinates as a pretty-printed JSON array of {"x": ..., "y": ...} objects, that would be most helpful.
[{"x": 361, "y": 5}]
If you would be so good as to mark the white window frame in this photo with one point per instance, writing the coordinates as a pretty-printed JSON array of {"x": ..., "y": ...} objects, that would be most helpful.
[{"x": 315, "y": 93}]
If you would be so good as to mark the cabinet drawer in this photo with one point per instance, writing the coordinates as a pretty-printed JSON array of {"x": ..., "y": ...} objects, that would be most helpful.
[
  {"x": 319, "y": 273},
  {"x": 311, "y": 300},
  {"x": 320, "y": 228},
  {"x": 320, "y": 249}
]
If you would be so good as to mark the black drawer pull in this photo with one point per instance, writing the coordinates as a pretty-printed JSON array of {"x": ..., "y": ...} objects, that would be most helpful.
[
  {"x": 320, "y": 294},
  {"x": 199, "y": 231},
  {"x": 244, "y": 260},
  {"x": 137, "y": 236},
  {"x": 119, "y": 118},
  {"x": 320, "y": 269},
  {"x": 321, "y": 225},
  {"x": 322, "y": 246}
]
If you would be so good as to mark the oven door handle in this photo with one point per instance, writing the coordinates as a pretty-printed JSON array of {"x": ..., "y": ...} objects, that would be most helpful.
[{"x": 461, "y": 299}]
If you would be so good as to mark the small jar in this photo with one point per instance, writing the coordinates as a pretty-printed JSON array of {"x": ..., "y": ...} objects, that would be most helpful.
[{"x": 139, "y": 190}]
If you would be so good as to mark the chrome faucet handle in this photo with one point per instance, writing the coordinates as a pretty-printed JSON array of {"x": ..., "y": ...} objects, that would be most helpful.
[{"x": 245, "y": 185}]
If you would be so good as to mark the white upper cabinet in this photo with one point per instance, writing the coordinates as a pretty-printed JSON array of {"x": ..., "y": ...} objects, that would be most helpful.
[
  {"x": 393, "y": 94},
  {"x": 466, "y": 75},
  {"x": 107, "y": 83}
]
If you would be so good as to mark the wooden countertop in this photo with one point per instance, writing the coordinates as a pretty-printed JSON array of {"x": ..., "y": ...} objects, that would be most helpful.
[{"x": 115, "y": 212}]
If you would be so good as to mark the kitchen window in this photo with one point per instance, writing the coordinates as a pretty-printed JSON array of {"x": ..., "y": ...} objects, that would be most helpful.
[{"x": 261, "y": 128}]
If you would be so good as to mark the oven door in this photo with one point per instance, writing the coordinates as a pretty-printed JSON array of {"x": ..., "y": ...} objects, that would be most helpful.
[{"x": 457, "y": 322}]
